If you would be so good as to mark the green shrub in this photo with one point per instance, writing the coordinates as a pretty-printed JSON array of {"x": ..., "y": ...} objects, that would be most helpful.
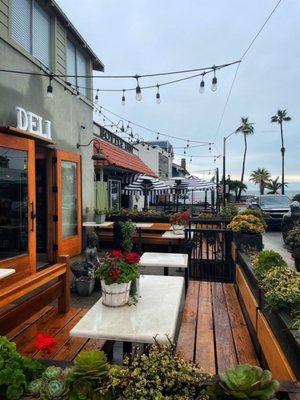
[
  {"x": 296, "y": 197},
  {"x": 293, "y": 237},
  {"x": 246, "y": 224},
  {"x": 282, "y": 288},
  {"x": 256, "y": 213},
  {"x": 16, "y": 371},
  {"x": 266, "y": 260},
  {"x": 228, "y": 212}
]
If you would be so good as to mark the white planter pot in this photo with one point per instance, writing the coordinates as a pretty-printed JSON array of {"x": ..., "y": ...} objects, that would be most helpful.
[
  {"x": 178, "y": 229},
  {"x": 100, "y": 218},
  {"x": 116, "y": 294}
]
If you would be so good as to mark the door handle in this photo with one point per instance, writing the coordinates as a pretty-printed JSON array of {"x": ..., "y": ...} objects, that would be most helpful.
[{"x": 32, "y": 216}]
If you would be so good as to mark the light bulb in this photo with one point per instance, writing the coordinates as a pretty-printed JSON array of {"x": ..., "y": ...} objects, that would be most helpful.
[
  {"x": 97, "y": 97},
  {"x": 50, "y": 88},
  {"x": 158, "y": 100},
  {"x": 202, "y": 87},
  {"x": 123, "y": 100},
  {"x": 214, "y": 84},
  {"x": 138, "y": 94}
]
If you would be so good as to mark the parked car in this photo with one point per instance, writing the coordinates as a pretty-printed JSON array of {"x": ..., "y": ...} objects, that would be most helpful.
[
  {"x": 273, "y": 207},
  {"x": 291, "y": 219}
]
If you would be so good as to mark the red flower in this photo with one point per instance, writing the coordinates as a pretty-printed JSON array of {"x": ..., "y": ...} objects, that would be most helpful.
[
  {"x": 114, "y": 274},
  {"x": 45, "y": 343},
  {"x": 132, "y": 258},
  {"x": 117, "y": 254}
]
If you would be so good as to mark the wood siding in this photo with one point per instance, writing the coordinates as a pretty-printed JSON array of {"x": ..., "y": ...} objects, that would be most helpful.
[
  {"x": 60, "y": 49},
  {"x": 4, "y": 18}
]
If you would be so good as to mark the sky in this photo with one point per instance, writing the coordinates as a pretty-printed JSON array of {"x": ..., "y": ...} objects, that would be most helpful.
[{"x": 143, "y": 36}]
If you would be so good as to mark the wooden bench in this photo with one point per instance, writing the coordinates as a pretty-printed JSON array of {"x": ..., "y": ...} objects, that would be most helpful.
[
  {"x": 213, "y": 331},
  {"x": 26, "y": 308}
]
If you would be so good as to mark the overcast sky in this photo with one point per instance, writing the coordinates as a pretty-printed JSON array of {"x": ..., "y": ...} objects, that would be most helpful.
[{"x": 143, "y": 36}]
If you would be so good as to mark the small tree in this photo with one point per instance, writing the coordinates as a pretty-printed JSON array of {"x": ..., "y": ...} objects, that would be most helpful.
[
  {"x": 260, "y": 177},
  {"x": 274, "y": 186}
]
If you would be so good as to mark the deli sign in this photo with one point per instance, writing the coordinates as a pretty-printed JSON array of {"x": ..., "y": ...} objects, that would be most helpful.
[{"x": 28, "y": 121}]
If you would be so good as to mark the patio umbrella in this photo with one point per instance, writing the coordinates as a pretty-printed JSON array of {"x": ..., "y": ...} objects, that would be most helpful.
[{"x": 144, "y": 184}]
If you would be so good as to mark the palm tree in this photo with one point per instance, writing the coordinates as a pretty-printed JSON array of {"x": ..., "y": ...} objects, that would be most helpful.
[
  {"x": 246, "y": 129},
  {"x": 236, "y": 187},
  {"x": 260, "y": 177},
  {"x": 280, "y": 117},
  {"x": 273, "y": 185}
]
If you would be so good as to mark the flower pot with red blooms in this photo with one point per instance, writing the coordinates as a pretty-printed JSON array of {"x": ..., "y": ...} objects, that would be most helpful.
[
  {"x": 116, "y": 272},
  {"x": 180, "y": 221}
]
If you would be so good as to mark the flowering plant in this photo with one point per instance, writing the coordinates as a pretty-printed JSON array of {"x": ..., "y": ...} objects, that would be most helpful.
[
  {"x": 118, "y": 267},
  {"x": 45, "y": 343},
  {"x": 246, "y": 224},
  {"x": 181, "y": 218}
]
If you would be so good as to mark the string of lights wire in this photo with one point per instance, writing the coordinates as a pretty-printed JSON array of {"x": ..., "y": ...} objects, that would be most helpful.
[{"x": 238, "y": 67}]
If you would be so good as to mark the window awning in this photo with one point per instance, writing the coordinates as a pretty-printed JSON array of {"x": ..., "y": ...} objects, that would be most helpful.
[{"x": 119, "y": 158}]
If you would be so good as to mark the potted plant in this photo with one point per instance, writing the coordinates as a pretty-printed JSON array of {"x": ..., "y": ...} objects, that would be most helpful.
[
  {"x": 179, "y": 221},
  {"x": 247, "y": 230},
  {"x": 100, "y": 215},
  {"x": 116, "y": 272},
  {"x": 293, "y": 240},
  {"x": 85, "y": 283}
]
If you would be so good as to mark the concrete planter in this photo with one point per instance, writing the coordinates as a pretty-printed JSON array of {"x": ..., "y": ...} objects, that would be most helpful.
[
  {"x": 116, "y": 294},
  {"x": 178, "y": 229},
  {"x": 100, "y": 218},
  {"x": 84, "y": 286}
]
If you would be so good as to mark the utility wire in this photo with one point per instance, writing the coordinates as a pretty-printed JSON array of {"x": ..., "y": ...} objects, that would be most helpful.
[{"x": 238, "y": 66}]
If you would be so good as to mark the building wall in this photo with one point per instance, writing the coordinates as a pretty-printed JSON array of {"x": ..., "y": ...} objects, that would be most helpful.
[{"x": 67, "y": 113}]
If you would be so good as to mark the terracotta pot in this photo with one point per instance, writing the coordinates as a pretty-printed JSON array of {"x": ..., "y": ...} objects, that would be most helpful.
[{"x": 116, "y": 294}]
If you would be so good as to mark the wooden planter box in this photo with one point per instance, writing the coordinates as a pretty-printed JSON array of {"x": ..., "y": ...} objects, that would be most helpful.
[
  {"x": 252, "y": 240},
  {"x": 280, "y": 343},
  {"x": 137, "y": 218}
]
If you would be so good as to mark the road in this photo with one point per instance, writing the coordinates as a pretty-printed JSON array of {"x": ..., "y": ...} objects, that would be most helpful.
[{"x": 273, "y": 241}]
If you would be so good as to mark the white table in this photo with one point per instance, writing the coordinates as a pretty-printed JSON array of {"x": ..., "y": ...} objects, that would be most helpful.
[
  {"x": 166, "y": 260},
  {"x": 92, "y": 224},
  {"x": 4, "y": 272},
  {"x": 157, "y": 314},
  {"x": 143, "y": 225}
]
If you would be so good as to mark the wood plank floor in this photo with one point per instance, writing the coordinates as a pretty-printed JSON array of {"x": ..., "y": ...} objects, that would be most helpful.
[
  {"x": 213, "y": 332},
  {"x": 49, "y": 322}
]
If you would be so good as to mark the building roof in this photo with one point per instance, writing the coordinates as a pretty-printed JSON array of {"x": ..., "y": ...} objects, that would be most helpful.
[
  {"x": 122, "y": 159},
  {"x": 97, "y": 64}
]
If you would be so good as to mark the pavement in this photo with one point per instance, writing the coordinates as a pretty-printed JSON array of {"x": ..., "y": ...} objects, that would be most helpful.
[{"x": 274, "y": 241}]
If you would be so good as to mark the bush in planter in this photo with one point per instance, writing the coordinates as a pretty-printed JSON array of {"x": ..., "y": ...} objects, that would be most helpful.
[
  {"x": 16, "y": 371},
  {"x": 228, "y": 212},
  {"x": 256, "y": 213},
  {"x": 246, "y": 224},
  {"x": 180, "y": 218},
  {"x": 264, "y": 261}
]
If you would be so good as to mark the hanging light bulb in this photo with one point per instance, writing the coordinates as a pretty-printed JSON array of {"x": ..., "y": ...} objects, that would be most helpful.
[
  {"x": 158, "y": 100},
  {"x": 191, "y": 159},
  {"x": 122, "y": 127},
  {"x": 188, "y": 144},
  {"x": 138, "y": 91},
  {"x": 97, "y": 97},
  {"x": 157, "y": 137},
  {"x": 50, "y": 88},
  {"x": 202, "y": 86},
  {"x": 77, "y": 93},
  {"x": 215, "y": 159},
  {"x": 123, "y": 98},
  {"x": 184, "y": 151},
  {"x": 209, "y": 148},
  {"x": 214, "y": 82}
]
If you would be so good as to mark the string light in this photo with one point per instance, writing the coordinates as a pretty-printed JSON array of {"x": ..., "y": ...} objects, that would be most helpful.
[
  {"x": 97, "y": 97},
  {"x": 184, "y": 151},
  {"x": 123, "y": 98},
  {"x": 138, "y": 91},
  {"x": 50, "y": 88},
  {"x": 202, "y": 86},
  {"x": 158, "y": 100},
  {"x": 209, "y": 148},
  {"x": 214, "y": 82},
  {"x": 191, "y": 159},
  {"x": 77, "y": 93},
  {"x": 188, "y": 144},
  {"x": 157, "y": 137}
]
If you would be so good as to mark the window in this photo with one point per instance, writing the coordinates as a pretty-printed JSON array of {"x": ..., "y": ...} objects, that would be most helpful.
[
  {"x": 114, "y": 188},
  {"x": 31, "y": 27},
  {"x": 76, "y": 65},
  {"x": 69, "y": 198}
]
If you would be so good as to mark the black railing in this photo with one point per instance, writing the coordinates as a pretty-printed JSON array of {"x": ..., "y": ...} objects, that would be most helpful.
[{"x": 210, "y": 256}]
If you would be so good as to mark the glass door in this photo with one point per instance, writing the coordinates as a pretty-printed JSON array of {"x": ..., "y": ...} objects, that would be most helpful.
[
  {"x": 69, "y": 229},
  {"x": 114, "y": 187},
  {"x": 17, "y": 205}
]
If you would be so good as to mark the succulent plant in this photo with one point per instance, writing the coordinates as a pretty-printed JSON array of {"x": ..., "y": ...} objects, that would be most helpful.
[
  {"x": 89, "y": 368},
  {"x": 55, "y": 390},
  {"x": 51, "y": 373},
  {"x": 249, "y": 382},
  {"x": 34, "y": 387}
]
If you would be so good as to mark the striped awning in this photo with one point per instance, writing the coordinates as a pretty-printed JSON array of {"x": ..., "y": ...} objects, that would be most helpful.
[
  {"x": 191, "y": 183},
  {"x": 146, "y": 183}
]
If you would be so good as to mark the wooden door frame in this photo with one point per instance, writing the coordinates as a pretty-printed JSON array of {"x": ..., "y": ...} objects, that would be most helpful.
[
  {"x": 71, "y": 245},
  {"x": 25, "y": 264}
]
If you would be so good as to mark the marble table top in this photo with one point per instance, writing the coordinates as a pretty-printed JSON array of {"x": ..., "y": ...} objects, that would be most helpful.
[
  {"x": 172, "y": 235},
  {"x": 143, "y": 225},
  {"x": 4, "y": 272},
  {"x": 171, "y": 260},
  {"x": 157, "y": 314},
  {"x": 93, "y": 224}
]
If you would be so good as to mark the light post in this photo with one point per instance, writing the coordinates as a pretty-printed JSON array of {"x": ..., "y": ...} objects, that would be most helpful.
[{"x": 224, "y": 167}]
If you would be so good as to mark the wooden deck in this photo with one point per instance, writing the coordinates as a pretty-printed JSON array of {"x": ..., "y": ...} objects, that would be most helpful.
[
  {"x": 49, "y": 322},
  {"x": 213, "y": 332}
]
